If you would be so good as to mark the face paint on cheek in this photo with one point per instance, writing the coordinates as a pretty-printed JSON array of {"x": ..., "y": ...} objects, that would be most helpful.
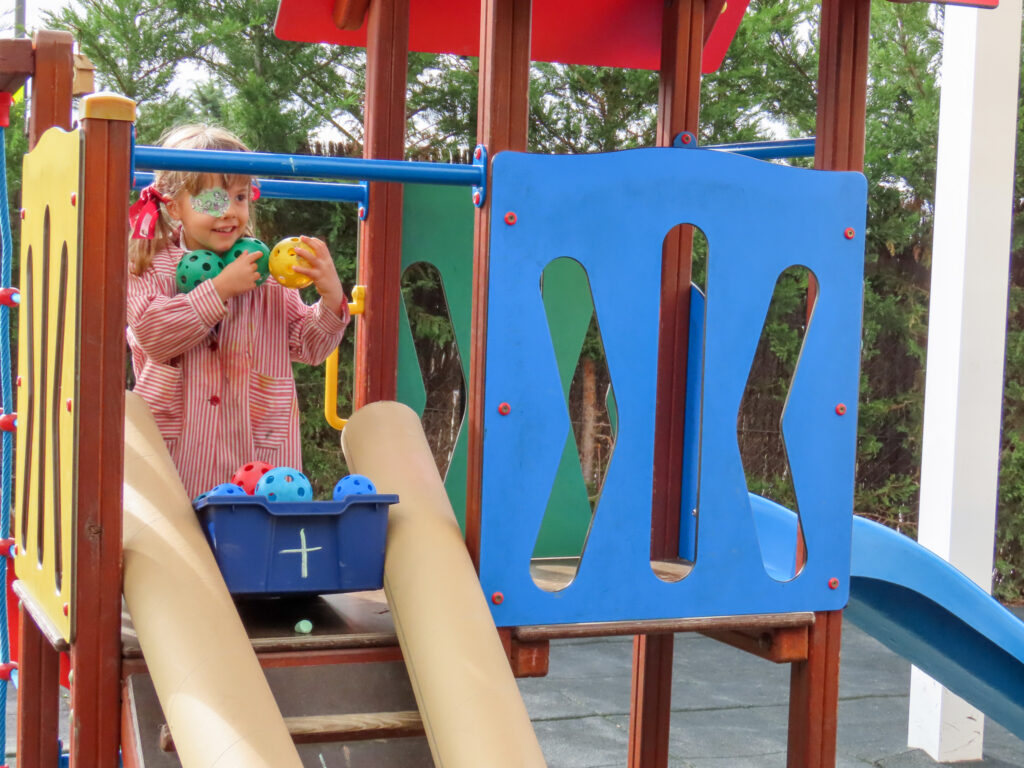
[{"x": 213, "y": 201}]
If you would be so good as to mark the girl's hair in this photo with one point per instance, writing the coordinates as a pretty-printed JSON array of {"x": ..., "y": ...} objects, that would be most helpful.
[{"x": 171, "y": 183}]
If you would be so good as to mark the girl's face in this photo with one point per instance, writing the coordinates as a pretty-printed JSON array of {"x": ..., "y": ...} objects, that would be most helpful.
[{"x": 215, "y": 217}]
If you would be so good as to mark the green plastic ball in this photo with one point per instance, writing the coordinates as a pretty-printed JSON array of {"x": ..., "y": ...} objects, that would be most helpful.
[
  {"x": 197, "y": 266},
  {"x": 251, "y": 244}
]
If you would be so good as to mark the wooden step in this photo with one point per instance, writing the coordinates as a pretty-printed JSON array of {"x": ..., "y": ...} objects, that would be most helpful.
[
  {"x": 324, "y": 729},
  {"x": 325, "y": 707}
]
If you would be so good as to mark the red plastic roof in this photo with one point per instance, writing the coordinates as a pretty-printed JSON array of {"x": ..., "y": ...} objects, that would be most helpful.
[{"x": 612, "y": 33}]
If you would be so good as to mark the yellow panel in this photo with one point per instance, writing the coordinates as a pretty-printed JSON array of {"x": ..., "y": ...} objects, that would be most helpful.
[{"x": 47, "y": 375}]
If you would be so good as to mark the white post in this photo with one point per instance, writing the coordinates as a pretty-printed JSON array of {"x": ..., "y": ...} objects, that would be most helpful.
[{"x": 967, "y": 331}]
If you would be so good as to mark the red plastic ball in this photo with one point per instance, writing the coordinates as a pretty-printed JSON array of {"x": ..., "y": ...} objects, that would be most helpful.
[{"x": 247, "y": 475}]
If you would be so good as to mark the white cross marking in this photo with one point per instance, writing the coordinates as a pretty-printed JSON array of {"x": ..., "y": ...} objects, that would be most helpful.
[{"x": 302, "y": 550}]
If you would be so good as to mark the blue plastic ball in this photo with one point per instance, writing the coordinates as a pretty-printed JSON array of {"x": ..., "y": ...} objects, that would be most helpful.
[
  {"x": 353, "y": 485},
  {"x": 225, "y": 489},
  {"x": 284, "y": 484}
]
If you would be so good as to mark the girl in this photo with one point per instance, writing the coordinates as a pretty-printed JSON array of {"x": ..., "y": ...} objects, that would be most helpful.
[{"x": 215, "y": 364}]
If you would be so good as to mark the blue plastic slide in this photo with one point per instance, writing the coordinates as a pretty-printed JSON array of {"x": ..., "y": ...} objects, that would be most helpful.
[{"x": 924, "y": 609}]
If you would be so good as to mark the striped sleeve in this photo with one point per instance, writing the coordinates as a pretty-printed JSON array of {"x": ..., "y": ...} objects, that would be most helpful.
[
  {"x": 313, "y": 331},
  {"x": 165, "y": 326}
]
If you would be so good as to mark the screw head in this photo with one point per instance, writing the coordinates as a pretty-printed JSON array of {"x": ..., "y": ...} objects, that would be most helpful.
[
  {"x": 478, "y": 153},
  {"x": 504, "y": 409},
  {"x": 66, "y": 609},
  {"x": 510, "y": 218},
  {"x": 362, "y": 212},
  {"x": 74, "y": 198},
  {"x": 497, "y": 598},
  {"x": 849, "y": 233},
  {"x": 68, "y": 405},
  {"x": 841, "y": 409},
  {"x": 833, "y": 583},
  {"x": 476, "y": 198}
]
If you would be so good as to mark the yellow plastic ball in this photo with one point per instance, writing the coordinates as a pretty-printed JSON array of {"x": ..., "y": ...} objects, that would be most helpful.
[{"x": 285, "y": 255}]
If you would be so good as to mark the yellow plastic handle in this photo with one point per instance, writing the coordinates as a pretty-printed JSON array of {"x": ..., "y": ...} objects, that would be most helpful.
[{"x": 355, "y": 307}]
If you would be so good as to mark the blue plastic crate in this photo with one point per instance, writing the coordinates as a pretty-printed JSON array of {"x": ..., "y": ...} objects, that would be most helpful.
[{"x": 313, "y": 547}]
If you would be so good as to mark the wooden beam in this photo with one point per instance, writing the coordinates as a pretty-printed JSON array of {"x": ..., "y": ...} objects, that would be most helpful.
[
  {"x": 781, "y": 646},
  {"x": 683, "y": 32},
  {"x": 96, "y": 647},
  {"x": 17, "y": 62},
  {"x": 38, "y": 695},
  {"x": 322, "y": 729},
  {"x": 380, "y": 251},
  {"x": 502, "y": 119},
  {"x": 52, "y": 83},
  {"x": 760, "y": 622}
]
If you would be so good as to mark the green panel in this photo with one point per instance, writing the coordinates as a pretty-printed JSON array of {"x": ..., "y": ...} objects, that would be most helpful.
[
  {"x": 437, "y": 228},
  {"x": 569, "y": 308}
]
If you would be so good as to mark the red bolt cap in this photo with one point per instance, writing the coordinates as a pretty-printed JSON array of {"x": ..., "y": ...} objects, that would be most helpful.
[
  {"x": 19, "y": 381},
  {"x": 476, "y": 198},
  {"x": 6, "y": 547},
  {"x": 849, "y": 233},
  {"x": 841, "y": 409},
  {"x": 362, "y": 212},
  {"x": 497, "y": 598},
  {"x": 66, "y": 609},
  {"x": 510, "y": 218},
  {"x": 687, "y": 138},
  {"x": 10, "y": 297},
  {"x": 74, "y": 198},
  {"x": 504, "y": 409},
  {"x": 23, "y": 214},
  {"x": 9, "y": 422},
  {"x": 6, "y": 668},
  {"x": 69, "y": 405},
  {"x": 833, "y": 583},
  {"x": 478, "y": 153}
]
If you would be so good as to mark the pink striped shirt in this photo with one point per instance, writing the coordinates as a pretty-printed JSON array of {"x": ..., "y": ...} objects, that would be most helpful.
[{"x": 218, "y": 376}]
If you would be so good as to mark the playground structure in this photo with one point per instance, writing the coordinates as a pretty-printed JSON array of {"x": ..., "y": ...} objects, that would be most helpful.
[{"x": 740, "y": 570}]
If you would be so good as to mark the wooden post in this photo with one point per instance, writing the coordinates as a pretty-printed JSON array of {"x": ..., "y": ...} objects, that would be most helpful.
[
  {"x": 842, "y": 99},
  {"x": 683, "y": 30},
  {"x": 96, "y": 650},
  {"x": 39, "y": 666},
  {"x": 380, "y": 251},
  {"x": 52, "y": 83},
  {"x": 38, "y": 701},
  {"x": 502, "y": 120}
]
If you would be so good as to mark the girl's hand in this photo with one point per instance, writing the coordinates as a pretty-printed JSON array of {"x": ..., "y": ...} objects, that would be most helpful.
[
  {"x": 238, "y": 277},
  {"x": 325, "y": 276}
]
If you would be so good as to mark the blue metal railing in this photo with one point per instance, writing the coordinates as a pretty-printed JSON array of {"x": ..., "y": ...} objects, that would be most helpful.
[
  {"x": 769, "y": 150},
  {"x": 307, "y": 166},
  {"x": 290, "y": 190}
]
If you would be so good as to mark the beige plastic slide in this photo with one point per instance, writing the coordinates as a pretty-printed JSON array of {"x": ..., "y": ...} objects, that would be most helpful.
[
  {"x": 467, "y": 696},
  {"x": 213, "y": 692}
]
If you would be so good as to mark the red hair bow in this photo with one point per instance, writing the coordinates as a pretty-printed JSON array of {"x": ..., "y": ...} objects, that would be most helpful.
[{"x": 144, "y": 213}]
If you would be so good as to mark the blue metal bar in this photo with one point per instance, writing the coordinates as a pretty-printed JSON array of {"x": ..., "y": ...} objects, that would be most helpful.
[
  {"x": 290, "y": 190},
  {"x": 264, "y": 164},
  {"x": 769, "y": 150}
]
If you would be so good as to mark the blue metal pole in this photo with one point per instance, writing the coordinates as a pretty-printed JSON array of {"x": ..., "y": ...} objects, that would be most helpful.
[
  {"x": 260, "y": 163},
  {"x": 290, "y": 190},
  {"x": 769, "y": 150}
]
